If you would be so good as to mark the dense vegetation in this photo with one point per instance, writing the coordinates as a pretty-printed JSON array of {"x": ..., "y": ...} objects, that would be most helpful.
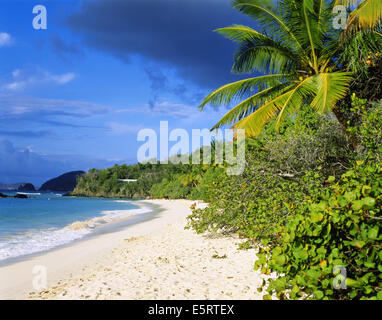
[
  {"x": 170, "y": 181},
  {"x": 281, "y": 170},
  {"x": 106, "y": 183},
  {"x": 313, "y": 204},
  {"x": 310, "y": 197}
]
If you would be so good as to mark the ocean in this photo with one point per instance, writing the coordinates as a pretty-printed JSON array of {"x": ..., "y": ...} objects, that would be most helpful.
[{"x": 47, "y": 221}]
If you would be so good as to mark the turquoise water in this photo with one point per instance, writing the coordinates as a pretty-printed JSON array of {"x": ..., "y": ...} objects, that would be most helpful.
[{"x": 48, "y": 220}]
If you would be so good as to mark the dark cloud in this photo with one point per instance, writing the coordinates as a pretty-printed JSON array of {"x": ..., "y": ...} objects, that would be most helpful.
[
  {"x": 64, "y": 49},
  {"x": 176, "y": 33},
  {"x": 157, "y": 79},
  {"x": 160, "y": 83}
]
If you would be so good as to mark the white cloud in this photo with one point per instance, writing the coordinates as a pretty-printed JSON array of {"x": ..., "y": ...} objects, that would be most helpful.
[
  {"x": 174, "y": 109},
  {"x": 14, "y": 106},
  {"x": 177, "y": 110},
  {"x": 23, "y": 78},
  {"x": 5, "y": 39},
  {"x": 185, "y": 113},
  {"x": 117, "y": 128},
  {"x": 62, "y": 78},
  {"x": 16, "y": 85},
  {"x": 16, "y": 73}
]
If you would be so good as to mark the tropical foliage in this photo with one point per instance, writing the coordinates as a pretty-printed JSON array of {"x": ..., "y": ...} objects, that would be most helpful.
[
  {"x": 302, "y": 56},
  {"x": 107, "y": 182},
  {"x": 282, "y": 170},
  {"x": 311, "y": 205},
  {"x": 338, "y": 229},
  {"x": 308, "y": 199},
  {"x": 174, "y": 181}
]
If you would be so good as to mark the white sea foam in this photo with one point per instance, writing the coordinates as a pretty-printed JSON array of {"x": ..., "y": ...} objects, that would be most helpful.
[
  {"x": 37, "y": 241},
  {"x": 42, "y": 240},
  {"x": 29, "y": 193},
  {"x": 107, "y": 216}
]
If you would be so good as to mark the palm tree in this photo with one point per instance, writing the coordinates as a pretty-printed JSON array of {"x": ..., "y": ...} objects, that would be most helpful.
[
  {"x": 191, "y": 177},
  {"x": 299, "y": 52}
]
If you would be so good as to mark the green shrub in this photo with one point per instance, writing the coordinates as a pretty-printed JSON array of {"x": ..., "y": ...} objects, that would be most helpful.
[
  {"x": 367, "y": 130},
  {"x": 254, "y": 204},
  {"x": 342, "y": 228},
  {"x": 211, "y": 180},
  {"x": 105, "y": 182},
  {"x": 307, "y": 143},
  {"x": 170, "y": 188},
  {"x": 194, "y": 195},
  {"x": 282, "y": 171}
]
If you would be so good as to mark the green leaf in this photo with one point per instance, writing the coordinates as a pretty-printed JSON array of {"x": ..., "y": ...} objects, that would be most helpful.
[
  {"x": 366, "y": 203},
  {"x": 351, "y": 282},
  {"x": 331, "y": 87},
  {"x": 369, "y": 202},
  {"x": 318, "y": 294},
  {"x": 358, "y": 243},
  {"x": 316, "y": 217},
  {"x": 301, "y": 254},
  {"x": 373, "y": 233},
  {"x": 280, "y": 260},
  {"x": 331, "y": 179},
  {"x": 370, "y": 265},
  {"x": 267, "y": 297}
]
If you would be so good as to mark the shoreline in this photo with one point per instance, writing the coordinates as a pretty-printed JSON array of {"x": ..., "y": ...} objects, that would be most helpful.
[
  {"x": 114, "y": 225},
  {"x": 104, "y": 220},
  {"x": 153, "y": 259}
]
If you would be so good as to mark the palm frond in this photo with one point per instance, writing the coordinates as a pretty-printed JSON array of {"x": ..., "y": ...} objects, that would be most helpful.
[
  {"x": 250, "y": 104},
  {"x": 346, "y": 2},
  {"x": 310, "y": 29},
  {"x": 258, "y": 52},
  {"x": 264, "y": 11},
  {"x": 324, "y": 12},
  {"x": 254, "y": 123},
  {"x": 240, "y": 33},
  {"x": 300, "y": 51},
  {"x": 241, "y": 89},
  {"x": 354, "y": 50},
  {"x": 297, "y": 97},
  {"x": 252, "y": 56},
  {"x": 331, "y": 87},
  {"x": 367, "y": 14}
]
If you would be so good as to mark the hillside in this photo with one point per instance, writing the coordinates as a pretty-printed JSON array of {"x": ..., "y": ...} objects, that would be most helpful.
[
  {"x": 65, "y": 182},
  {"x": 107, "y": 182},
  {"x": 26, "y": 187}
]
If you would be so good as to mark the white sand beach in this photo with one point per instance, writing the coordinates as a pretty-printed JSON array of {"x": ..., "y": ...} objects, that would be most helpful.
[{"x": 155, "y": 259}]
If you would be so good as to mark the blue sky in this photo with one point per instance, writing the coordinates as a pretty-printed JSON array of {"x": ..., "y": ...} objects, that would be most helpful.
[{"x": 74, "y": 96}]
